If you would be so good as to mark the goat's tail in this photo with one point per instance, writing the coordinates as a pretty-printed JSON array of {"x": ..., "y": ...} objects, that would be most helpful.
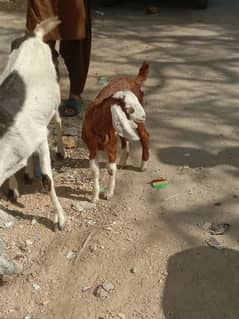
[
  {"x": 46, "y": 26},
  {"x": 143, "y": 72}
]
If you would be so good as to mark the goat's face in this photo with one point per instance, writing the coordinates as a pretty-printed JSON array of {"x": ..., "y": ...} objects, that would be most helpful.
[{"x": 133, "y": 108}]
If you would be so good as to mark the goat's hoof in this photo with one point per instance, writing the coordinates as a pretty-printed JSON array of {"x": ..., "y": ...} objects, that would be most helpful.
[
  {"x": 59, "y": 226},
  {"x": 28, "y": 179},
  {"x": 94, "y": 199},
  {"x": 108, "y": 195},
  {"x": 60, "y": 156},
  {"x": 55, "y": 227},
  {"x": 143, "y": 166},
  {"x": 13, "y": 195}
]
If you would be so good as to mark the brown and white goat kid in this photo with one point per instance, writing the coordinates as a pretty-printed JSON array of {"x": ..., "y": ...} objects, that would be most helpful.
[
  {"x": 116, "y": 111},
  {"x": 29, "y": 98}
]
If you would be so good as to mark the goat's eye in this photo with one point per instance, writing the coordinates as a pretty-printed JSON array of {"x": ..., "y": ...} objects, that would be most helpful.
[{"x": 130, "y": 110}]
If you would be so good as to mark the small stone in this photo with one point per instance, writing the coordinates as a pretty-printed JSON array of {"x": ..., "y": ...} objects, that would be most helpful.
[
  {"x": 133, "y": 270},
  {"x": 108, "y": 286},
  {"x": 91, "y": 222},
  {"x": 121, "y": 315},
  {"x": 101, "y": 293},
  {"x": 9, "y": 224},
  {"x": 28, "y": 317},
  {"x": 34, "y": 222},
  {"x": 28, "y": 242},
  {"x": 36, "y": 286},
  {"x": 45, "y": 302},
  {"x": 212, "y": 242},
  {"x": 219, "y": 229},
  {"x": 84, "y": 289},
  {"x": 78, "y": 208},
  {"x": 70, "y": 142},
  {"x": 70, "y": 255},
  {"x": 92, "y": 248}
]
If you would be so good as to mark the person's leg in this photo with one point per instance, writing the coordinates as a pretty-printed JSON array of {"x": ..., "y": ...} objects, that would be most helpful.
[{"x": 76, "y": 55}]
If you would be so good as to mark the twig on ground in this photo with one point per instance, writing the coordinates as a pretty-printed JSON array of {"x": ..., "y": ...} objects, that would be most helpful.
[{"x": 86, "y": 242}]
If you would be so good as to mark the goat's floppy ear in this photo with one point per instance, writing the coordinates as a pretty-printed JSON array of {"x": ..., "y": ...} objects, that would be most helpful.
[
  {"x": 123, "y": 126},
  {"x": 46, "y": 26}
]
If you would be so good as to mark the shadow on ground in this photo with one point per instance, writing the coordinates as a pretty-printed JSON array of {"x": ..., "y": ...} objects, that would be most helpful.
[
  {"x": 196, "y": 158},
  {"x": 202, "y": 283}
]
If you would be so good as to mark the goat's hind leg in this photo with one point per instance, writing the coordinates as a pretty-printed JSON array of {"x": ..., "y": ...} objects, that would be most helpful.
[
  {"x": 13, "y": 192},
  {"x": 13, "y": 188},
  {"x": 60, "y": 152},
  {"x": 48, "y": 183},
  {"x": 112, "y": 168},
  {"x": 124, "y": 152}
]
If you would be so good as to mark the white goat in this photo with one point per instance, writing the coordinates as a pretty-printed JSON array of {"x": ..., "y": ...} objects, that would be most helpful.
[{"x": 29, "y": 98}]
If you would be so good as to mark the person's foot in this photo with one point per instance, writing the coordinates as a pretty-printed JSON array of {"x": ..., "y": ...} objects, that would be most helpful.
[{"x": 71, "y": 107}]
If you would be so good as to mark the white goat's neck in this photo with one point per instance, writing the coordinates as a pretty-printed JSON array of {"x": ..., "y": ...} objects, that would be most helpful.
[{"x": 29, "y": 64}]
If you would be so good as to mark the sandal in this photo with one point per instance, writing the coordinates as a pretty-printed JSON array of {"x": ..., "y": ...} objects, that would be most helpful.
[{"x": 71, "y": 107}]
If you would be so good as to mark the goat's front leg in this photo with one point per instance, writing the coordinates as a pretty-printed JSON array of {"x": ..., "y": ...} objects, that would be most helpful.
[
  {"x": 124, "y": 152},
  {"x": 13, "y": 192},
  {"x": 60, "y": 145},
  {"x": 48, "y": 183},
  {"x": 144, "y": 140}
]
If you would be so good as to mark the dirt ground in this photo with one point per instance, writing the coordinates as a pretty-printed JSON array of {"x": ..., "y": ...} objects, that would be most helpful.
[{"x": 148, "y": 245}]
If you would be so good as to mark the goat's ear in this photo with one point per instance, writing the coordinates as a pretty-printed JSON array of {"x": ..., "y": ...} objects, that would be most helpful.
[
  {"x": 46, "y": 26},
  {"x": 143, "y": 73},
  {"x": 123, "y": 126}
]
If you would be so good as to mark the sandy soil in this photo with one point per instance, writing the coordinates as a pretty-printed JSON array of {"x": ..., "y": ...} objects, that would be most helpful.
[{"x": 148, "y": 244}]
